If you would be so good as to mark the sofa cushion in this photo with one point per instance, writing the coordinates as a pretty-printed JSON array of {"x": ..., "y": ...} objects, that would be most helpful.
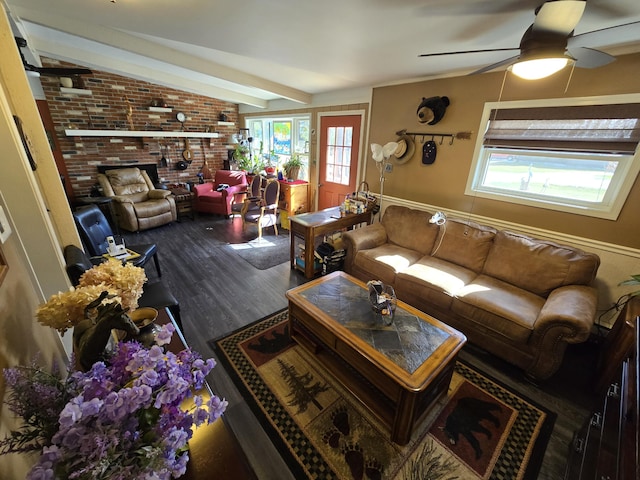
[
  {"x": 151, "y": 208},
  {"x": 211, "y": 197},
  {"x": 464, "y": 243},
  {"x": 410, "y": 228},
  {"x": 538, "y": 266},
  {"x": 433, "y": 280},
  {"x": 499, "y": 306},
  {"x": 383, "y": 262},
  {"x": 127, "y": 181},
  {"x": 229, "y": 177}
]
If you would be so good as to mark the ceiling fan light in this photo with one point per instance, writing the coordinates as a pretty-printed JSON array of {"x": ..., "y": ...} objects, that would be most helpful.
[{"x": 539, "y": 67}]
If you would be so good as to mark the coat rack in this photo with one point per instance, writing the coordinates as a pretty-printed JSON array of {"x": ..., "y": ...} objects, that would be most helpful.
[{"x": 423, "y": 135}]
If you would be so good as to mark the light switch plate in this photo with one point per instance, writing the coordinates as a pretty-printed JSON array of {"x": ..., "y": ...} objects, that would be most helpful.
[{"x": 5, "y": 228}]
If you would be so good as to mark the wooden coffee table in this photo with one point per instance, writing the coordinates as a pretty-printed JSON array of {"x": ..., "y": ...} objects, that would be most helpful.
[{"x": 397, "y": 371}]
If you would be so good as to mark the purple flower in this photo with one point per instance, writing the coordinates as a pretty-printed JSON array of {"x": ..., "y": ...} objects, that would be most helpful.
[
  {"x": 123, "y": 419},
  {"x": 165, "y": 333}
]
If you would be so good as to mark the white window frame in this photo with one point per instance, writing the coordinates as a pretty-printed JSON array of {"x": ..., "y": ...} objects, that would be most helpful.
[
  {"x": 294, "y": 119},
  {"x": 618, "y": 190}
]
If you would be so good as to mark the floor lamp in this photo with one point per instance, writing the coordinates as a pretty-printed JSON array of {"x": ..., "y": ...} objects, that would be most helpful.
[{"x": 380, "y": 156}]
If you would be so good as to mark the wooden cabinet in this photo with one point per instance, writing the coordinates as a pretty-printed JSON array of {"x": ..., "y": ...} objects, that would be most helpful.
[
  {"x": 294, "y": 199},
  {"x": 606, "y": 447}
]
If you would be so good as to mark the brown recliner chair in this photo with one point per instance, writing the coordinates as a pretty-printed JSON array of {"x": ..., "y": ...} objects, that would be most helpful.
[{"x": 137, "y": 203}]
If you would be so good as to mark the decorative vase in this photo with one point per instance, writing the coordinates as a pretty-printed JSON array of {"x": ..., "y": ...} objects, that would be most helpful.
[
  {"x": 383, "y": 300},
  {"x": 92, "y": 338},
  {"x": 144, "y": 318}
]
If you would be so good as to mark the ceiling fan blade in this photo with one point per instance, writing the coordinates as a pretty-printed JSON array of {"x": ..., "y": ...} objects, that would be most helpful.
[
  {"x": 590, "y": 57},
  {"x": 467, "y": 51},
  {"x": 493, "y": 66},
  {"x": 624, "y": 32},
  {"x": 560, "y": 16}
]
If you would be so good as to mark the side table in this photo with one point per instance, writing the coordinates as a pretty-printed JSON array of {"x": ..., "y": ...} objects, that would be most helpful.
[
  {"x": 308, "y": 226},
  {"x": 214, "y": 451},
  {"x": 184, "y": 202}
]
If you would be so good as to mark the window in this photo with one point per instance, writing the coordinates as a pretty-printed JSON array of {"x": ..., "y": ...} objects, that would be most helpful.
[
  {"x": 580, "y": 158},
  {"x": 282, "y": 137},
  {"x": 339, "y": 142}
]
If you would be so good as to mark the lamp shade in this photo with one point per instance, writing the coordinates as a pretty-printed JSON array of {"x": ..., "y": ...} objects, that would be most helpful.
[
  {"x": 537, "y": 68},
  {"x": 381, "y": 153}
]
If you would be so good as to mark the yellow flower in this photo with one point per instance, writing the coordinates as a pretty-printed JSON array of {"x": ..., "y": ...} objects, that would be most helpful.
[
  {"x": 66, "y": 309},
  {"x": 123, "y": 282},
  {"x": 127, "y": 279}
]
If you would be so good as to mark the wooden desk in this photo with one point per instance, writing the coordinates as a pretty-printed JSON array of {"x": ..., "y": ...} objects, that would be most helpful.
[
  {"x": 214, "y": 452},
  {"x": 308, "y": 226}
]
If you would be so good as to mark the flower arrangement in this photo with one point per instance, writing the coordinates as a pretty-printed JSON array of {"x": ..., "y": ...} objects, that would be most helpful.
[
  {"x": 122, "y": 419},
  {"x": 125, "y": 277},
  {"x": 123, "y": 282}
]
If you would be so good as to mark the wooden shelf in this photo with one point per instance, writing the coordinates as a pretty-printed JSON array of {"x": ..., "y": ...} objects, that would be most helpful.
[
  {"x": 75, "y": 91},
  {"x": 139, "y": 134},
  {"x": 228, "y": 124},
  {"x": 161, "y": 109}
]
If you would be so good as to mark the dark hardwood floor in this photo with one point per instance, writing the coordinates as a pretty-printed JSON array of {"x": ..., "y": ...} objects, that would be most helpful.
[{"x": 220, "y": 292}]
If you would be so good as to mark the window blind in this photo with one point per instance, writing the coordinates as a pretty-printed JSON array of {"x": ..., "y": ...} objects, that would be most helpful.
[{"x": 608, "y": 129}]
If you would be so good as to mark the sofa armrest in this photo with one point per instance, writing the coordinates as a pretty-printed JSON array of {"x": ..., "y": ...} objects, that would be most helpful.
[
  {"x": 573, "y": 306},
  {"x": 235, "y": 189},
  {"x": 566, "y": 317},
  {"x": 201, "y": 188},
  {"x": 158, "y": 194},
  {"x": 363, "y": 238},
  {"x": 122, "y": 199}
]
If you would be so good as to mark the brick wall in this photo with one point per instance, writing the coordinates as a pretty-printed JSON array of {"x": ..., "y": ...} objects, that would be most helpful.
[{"x": 107, "y": 109}]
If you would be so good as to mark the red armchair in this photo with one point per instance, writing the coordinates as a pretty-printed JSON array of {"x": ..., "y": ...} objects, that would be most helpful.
[{"x": 210, "y": 198}]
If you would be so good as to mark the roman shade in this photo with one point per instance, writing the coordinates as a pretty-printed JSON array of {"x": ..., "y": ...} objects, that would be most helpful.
[{"x": 611, "y": 129}]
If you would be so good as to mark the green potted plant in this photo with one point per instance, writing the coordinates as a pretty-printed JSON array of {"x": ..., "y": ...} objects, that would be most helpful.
[
  {"x": 634, "y": 280},
  {"x": 292, "y": 167},
  {"x": 246, "y": 161}
]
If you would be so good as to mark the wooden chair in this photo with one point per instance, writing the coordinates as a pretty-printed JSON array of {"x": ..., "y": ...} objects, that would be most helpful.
[
  {"x": 265, "y": 213},
  {"x": 253, "y": 194}
]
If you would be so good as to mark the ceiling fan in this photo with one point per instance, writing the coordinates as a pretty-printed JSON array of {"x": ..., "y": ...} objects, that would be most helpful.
[
  {"x": 49, "y": 71},
  {"x": 546, "y": 46}
]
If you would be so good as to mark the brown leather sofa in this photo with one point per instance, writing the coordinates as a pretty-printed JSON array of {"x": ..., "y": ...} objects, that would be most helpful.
[
  {"x": 137, "y": 203},
  {"x": 520, "y": 298}
]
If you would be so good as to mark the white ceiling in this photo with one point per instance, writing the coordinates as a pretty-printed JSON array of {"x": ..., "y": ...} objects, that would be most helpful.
[{"x": 253, "y": 51}]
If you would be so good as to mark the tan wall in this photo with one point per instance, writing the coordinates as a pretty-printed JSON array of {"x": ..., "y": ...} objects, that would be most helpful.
[
  {"x": 32, "y": 251},
  {"x": 394, "y": 108}
]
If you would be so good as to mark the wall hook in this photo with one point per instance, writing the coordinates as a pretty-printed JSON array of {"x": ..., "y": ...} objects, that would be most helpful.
[{"x": 441, "y": 139}]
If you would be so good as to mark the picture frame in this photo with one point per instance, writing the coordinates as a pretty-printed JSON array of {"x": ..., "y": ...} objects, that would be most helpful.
[{"x": 25, "y": 143}]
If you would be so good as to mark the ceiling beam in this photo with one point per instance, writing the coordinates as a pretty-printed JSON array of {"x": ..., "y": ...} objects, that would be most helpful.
[
  {"x": 146, "y": 48},
  {"x": 140, "y": 72}
]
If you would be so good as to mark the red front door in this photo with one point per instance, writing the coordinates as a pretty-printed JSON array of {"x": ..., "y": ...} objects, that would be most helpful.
[{"x": 339, "y": 153}]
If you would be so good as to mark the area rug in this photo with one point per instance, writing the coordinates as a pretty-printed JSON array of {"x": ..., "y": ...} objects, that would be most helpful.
[
  {"x": 265, "y": 252},
  {"x": 479, "y": 430}
]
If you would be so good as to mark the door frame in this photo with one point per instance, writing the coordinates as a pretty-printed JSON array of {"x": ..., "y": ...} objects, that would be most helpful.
[{"x": 361, "y": 152}]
